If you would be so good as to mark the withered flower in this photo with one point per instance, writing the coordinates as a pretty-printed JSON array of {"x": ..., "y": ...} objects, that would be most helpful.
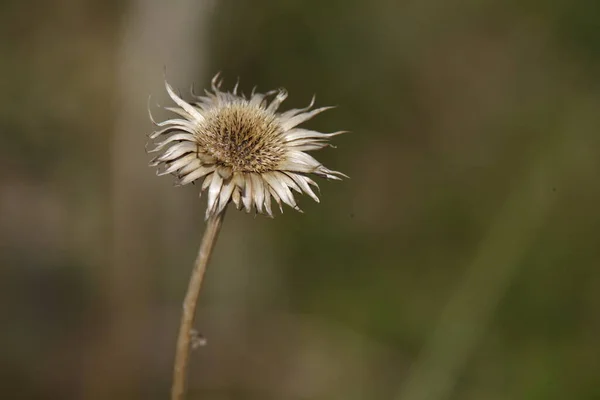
[{"x": 241, "y": 149}]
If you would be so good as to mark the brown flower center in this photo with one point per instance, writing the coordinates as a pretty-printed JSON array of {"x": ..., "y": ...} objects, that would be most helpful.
[{"x": 243, "y": 137}]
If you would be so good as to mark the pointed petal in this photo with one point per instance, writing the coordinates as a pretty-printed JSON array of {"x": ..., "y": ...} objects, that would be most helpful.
[
  {"x": 238, "y": 179},
  {"x": 173, "y": 138},
  {"x": 183, "y": 104},
  {"x": 281, "y": 188},
  {"x": 302, "y": 181},
  {"x": 287, "y": 181},
  {"x": 281, "y": 96},
  {"x": 299, "y": 133},
  {"x": 267, "y": 199},
  {"x": 179, "y": 111},
  {"x": 206, "y": 182},
  {"x": 237, "y": 197},
  {"x": 258, "y": 192},
  {"x": 177, "y": 151},
  {"x": 169, "y": 129},
  {"x": 237, "y": 84},
  {"x": 225, "y": 195},
  {"x": 300, "y": 118},
  {"x": 175, "y": 165},
  {"x": 225, "y": 172},
  {"x": 295, "y": 111},
  {"x": 195, "y": 163},
  {"x": 196, "y": 174},
  {"x": 277, "y": 198},
  {"x": 247, "y": 193},
  {"x": 213, "y": 194},
  {"x": 215, "y": 83},
  {"x": 330, "y": 174},
  {"x": 309, "y": 146}
]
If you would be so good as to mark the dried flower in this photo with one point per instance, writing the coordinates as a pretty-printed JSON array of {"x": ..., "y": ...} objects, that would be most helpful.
[{"x": 241, "y": 148}]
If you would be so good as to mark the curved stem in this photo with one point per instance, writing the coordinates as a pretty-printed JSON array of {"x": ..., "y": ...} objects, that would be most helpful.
[{"x": 182, "y": 352}]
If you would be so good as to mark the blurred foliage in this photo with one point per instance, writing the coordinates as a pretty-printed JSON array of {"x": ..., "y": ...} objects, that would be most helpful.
[{"x": 455, "y": 107}]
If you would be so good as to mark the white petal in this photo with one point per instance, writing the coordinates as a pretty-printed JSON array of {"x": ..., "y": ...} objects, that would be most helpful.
[
  {"x": 196, "y": 174},
  {"x": 235, "y": 88},
  {"x": 215, "y": 83},
  {"x": 237, "y": 197},
  {"x": 206, "y": 183},
  {"x": 281, "y": 188},
  {"x": 238, "y": 179},
  {"x": 189, "y": 167},
  {"x": 308, "y": 147},
  {"x": 213, "y": 193},
  {"x": 177, "y": 151},
  {"x": 299, "y": 133},
  {"x": 186, "y": 106},
  {"x": 267, "y": 197},
  {"x": 294, "y": 166},
  {"x": 298, "y": 119},
  {"x": 302, "y": 181},
  {"x": 257, "y": 191},
  {"x": 276, "y": 197},
  {"x": 295, "y": 111},
  {"x": 329, "y": 174},
  {"x": 225, "y": 195},
  {"x": 175, "y": 121},
  {"x": 179, "y": 111},
  {"x": 169, "y": 129},
  {"x": 281, "y": 96},
  {"x": 287, "y": 180},
  {"x": 258, "y": 98},
  {"x": 302, "y": 158},
  {"x": 247, "y": 193},
  {"x": 225, "y": 172},
  {"x": 175, "y": 165},
  {"x": 174, "y": 138}
]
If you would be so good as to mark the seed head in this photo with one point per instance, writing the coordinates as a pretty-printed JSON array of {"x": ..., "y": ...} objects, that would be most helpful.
[{"x": 241, "y": 149}]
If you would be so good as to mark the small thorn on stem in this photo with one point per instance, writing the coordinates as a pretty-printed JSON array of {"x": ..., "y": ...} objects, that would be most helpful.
[{"x": 197, "y": 339}]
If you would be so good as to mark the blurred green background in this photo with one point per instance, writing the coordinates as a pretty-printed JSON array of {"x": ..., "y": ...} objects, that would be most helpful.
[{"x": 460, "y": 261}]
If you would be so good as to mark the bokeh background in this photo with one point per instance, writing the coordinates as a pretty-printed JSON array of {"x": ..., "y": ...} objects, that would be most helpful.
[{"x": 460, "y": 261}]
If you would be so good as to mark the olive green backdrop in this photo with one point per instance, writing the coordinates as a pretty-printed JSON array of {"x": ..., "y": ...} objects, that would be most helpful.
[{"x": 460, "y": 261}]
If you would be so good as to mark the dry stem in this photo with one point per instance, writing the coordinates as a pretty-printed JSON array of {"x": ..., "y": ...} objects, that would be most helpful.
[{"x": 182, "y": 353}]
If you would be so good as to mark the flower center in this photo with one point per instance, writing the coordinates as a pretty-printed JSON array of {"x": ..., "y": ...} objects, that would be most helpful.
[{"x": 243, "y": 137}]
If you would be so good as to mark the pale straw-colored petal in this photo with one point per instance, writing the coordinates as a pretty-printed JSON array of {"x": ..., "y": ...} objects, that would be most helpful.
[
  {"x": 282, "y": 189},
  {"x": 267, "y": 200},
  {"x": 276, "y": 197},
  {"x": 236, "y": 197},
  {"x": 299, "y": 133},
  {"x": 176, "y": 165},
  {"x": 247, "y": 193},
  {"x": 281, "y": 96},
  {"x": 196, "y": 174},
  {"x": 168, "y": 129},
  {"x": 300, "y": 118},
  {"x": 177, "y": 151},
  {"x": 194, "y": 164},
  {"x": 206, "y": 182},
  {"x": 184, "y": 105},
  {"x": 295, "y": 111},
  {"x": 302, "y": 182},
  {"x": 225, "y": 195},
  {"x": 287, "y": 181},
  {"x": 258, "y": 191},
  {"x": 213, "y": 193},
  {"x": 174, "y": 138}
]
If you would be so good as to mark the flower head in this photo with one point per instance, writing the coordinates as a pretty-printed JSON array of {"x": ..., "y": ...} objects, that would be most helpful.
[{"x": 241, "y": 149}]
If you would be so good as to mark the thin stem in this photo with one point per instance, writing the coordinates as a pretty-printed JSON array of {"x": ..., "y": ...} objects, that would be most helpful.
[{"x": 182, "y": 352}]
